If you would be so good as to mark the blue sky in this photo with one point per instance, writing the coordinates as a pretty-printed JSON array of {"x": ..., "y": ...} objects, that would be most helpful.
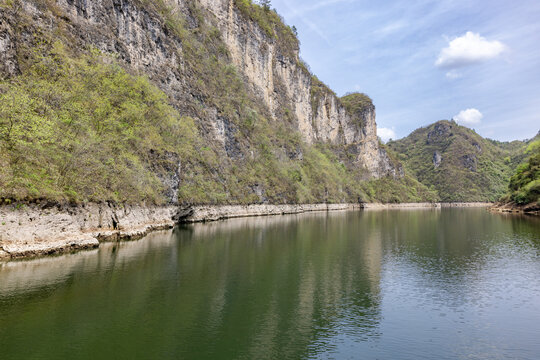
[{"x": 423, "y": 61}]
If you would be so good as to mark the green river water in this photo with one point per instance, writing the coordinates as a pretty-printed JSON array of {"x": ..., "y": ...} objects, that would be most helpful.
[{"x": 410, "y": 284}]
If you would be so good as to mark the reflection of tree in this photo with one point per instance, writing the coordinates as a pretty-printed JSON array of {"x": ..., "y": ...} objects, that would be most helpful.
[
  {"x": 288, "y": 283},
  {"x": 447, "y": 254},
  {"x": 527, "y": 226}
]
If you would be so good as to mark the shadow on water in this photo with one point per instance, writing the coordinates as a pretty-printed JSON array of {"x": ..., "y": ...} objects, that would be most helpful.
[{"x": 299, "y": 286}]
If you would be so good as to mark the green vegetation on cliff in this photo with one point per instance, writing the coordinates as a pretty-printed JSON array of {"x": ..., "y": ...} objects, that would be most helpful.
[
  {"x": 78, "y": 129},
  {"x": 458, "y": 163},
  {"x": 406, "y": 190},
  {"x": 357, "y": 102},
  {"x": 273, "y": 25}
]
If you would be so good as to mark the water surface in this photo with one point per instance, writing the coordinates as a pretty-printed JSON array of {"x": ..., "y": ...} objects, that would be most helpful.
[{"x": 422, "y": 284}]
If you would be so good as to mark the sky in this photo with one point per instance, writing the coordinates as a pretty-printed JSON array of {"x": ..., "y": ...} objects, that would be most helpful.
[{"x": 474, "y": 61}]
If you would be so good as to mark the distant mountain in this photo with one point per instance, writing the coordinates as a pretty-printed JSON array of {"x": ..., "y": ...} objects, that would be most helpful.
[{"x": 457, "y": 163}]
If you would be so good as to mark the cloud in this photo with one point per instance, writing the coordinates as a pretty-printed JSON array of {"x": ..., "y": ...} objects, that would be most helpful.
[
  {"x": 469, "y": 49},
  {"x": 386, "y": 134},
  {"x": 469, "y": 117}
]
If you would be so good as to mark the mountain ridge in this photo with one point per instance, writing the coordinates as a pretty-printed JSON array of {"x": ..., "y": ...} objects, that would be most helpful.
[{"x": 457, "y": 162}]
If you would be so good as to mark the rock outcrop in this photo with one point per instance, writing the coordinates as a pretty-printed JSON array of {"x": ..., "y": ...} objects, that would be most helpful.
[{"x": 320, "y": 119}]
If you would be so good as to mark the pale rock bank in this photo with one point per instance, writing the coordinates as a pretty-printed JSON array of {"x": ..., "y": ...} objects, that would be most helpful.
[
  {"x": 412, "y": 206},
  {"x": 530, "y": 209},
  {"x": 32, "y": 230}
]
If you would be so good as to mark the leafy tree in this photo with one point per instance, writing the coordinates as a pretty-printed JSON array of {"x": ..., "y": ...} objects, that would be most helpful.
[
  {"x": 524, "y": 186},
  {"x": 266, "y": 4}
]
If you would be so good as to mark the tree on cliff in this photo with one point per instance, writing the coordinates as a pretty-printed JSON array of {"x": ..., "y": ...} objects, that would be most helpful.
[
  {"x": 524, "y": 185},
  {"x": 265, "y": 4}
]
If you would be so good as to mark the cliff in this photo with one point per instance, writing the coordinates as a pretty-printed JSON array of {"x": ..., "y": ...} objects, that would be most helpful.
[
  {"x": 225, "y": 111},
  {"x": 276, "y": 73}
]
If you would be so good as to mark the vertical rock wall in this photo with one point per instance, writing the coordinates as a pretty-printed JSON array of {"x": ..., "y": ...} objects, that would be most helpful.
[{"x": 324, "y": 119}]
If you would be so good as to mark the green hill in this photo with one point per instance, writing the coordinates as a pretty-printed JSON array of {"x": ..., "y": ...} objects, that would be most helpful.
[
  {"x": 524, "y": 188},
  {"x": 457, "y": 163}
]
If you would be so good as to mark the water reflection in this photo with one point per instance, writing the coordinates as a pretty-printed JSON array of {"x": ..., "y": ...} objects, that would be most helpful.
[{"x": 435, "y": 283}]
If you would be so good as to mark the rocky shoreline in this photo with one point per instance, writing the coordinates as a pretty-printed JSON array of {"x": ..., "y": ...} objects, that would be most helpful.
[
  {"x": 34, "y": 230},
  {"x": 378, "y": 206},
  {"x": 530, "y": 209}
]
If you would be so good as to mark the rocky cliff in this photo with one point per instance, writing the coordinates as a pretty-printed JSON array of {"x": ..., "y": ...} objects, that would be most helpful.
[
  {"x": 282, "y": 81},
  {"x": 253, "y": 124}
]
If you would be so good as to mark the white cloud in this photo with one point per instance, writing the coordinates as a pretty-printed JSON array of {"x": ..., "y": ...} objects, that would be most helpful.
[
  {"x": 386, "y": 134},
  {"x": 469, "y": 117},
  {"x": 469, "y": 49}
]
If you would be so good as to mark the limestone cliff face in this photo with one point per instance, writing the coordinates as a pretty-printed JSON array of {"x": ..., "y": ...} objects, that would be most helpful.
[
  {"x": 258, "y": 57},
  {"x": 319, "y": 120},
  {"x": 130, "y": 32}
]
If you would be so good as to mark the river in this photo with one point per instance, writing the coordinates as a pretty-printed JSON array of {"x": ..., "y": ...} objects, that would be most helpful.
[{"x": 398, "y": 284}]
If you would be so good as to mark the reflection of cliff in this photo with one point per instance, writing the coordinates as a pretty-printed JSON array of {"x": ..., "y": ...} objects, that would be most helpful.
[
  {"x": 26, "y": 276},
  {"x": 447, "y": 254},
  {"x": 309, "y": 278},
  {"x": 279, "y": 284},
  {"x": 283, "y": 287}
]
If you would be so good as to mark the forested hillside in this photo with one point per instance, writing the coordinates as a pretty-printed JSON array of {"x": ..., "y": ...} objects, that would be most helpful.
[
  {"x": 457, "y": 163},
  {"x": 524, "y": 188}
]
